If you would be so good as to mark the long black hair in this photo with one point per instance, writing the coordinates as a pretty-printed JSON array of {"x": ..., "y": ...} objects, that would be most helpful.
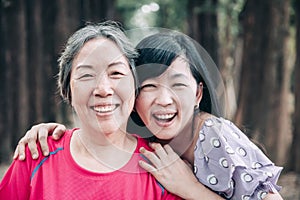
[{"x": 158, "y": 51}]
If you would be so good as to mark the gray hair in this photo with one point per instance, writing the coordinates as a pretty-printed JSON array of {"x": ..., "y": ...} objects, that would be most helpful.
[{"x": 109, "y": 29}]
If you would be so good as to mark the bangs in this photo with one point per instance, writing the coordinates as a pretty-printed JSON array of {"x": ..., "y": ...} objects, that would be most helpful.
[{"x": 152, "y": 62}]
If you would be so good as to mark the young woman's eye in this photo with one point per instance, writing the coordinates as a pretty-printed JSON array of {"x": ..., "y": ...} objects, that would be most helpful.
[
  {"x": 178, "y": 85},
  {"x": 148, "y": 86}
]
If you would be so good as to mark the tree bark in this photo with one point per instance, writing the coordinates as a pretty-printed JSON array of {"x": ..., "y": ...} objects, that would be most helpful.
[
  {"x": 294, "y": 163},
  {"x": 264, "y": 86},
  {"x": 202, "y": 20},
  {"x": 15, "y": 58},
  {"x": 4, "y": 134},
  {"x": 32, "y": 36}
]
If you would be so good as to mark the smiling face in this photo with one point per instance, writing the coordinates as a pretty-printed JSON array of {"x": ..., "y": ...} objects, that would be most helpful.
[
  {"x": 166, "y": 103},
  {"x": 102, "y": 86}
]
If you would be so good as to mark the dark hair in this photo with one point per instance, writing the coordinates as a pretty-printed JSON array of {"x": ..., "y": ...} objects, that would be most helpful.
[
  {"x": 161, "y": 49},
  {"x": 109, "y": 29}
]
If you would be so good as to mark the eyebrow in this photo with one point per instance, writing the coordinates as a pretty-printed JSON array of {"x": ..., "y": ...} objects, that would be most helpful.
[
  {"x": 117, "y": 63},
  {"x": 178, "y": 75},
  {"x": 109, "y": 65},
  {"x": 83, "y": 66}
]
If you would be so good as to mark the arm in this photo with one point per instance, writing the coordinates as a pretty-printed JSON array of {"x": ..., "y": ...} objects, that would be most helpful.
[
  {"x": 273, "y": 196},
  {"x": 38, "y": 132},
  {"x": 174, "y": 174}
]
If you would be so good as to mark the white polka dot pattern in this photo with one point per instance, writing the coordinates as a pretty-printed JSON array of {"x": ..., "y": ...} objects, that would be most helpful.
[{"x": 229, "y": 163}]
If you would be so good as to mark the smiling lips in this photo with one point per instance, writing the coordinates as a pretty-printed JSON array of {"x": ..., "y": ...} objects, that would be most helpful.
[
  {"x": 105, "y": 108},
  {"x": 162, "y": 119}
]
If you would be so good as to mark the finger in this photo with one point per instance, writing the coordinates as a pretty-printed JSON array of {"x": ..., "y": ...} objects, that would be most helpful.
[
  {"x": 169, "y": 149},
  {"x": 151, "y": 156},
  {"x": 16, "y": 153},
  {"x": 21, "y": 148},
  {"x": 172, "y": 154},
  {"x": 43, "y": 135},
  {"x": 59, "y": 131},
  {"x": 159, "y": 150},
  {"x": 148, "y": 167},
  {"x": 31, "y": 136}
]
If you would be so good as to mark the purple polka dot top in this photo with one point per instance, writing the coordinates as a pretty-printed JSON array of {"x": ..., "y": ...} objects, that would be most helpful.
[{"x": 227, "y": 162}]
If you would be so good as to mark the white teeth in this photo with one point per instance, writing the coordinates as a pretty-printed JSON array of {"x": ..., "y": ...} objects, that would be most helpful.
[
  {"x": 165, "y": 117},
  {"x": 104, "y": 108}
]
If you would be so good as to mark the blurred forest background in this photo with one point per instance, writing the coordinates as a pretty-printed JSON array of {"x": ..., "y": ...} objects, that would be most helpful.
[{"x": 255, "y": 44}]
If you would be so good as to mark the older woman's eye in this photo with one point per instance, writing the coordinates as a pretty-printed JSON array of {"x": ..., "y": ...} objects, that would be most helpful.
[
  {"x": 117, "y": 74},
  {"x": 85, "y": 76}
]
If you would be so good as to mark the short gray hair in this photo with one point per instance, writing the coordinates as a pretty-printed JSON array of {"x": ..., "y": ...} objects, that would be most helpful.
[{"x": 109, "y": 29}]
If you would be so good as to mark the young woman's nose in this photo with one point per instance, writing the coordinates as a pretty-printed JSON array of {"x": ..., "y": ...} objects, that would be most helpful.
[
  {"x": 164, "y": 96},
  {"x": 104, "y": 87}
]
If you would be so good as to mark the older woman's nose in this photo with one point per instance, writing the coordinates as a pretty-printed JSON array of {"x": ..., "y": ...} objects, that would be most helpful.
[{"x": 104, "y": 87}]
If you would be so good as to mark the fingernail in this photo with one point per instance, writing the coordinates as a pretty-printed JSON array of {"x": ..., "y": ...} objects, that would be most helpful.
[
  {"x": 21, "y": 157},
  {"x": 45, "y": 153},
  {"x": 142, "y": 150},
  {"x": 34, "y": 156}
]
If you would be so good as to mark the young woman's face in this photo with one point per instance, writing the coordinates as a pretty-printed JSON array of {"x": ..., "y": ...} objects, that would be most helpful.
[
  {"x": 166, "y": 103},
  {"x": 102, "y": 86}
]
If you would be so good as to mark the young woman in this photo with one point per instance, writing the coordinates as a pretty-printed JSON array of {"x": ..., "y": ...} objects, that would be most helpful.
[{"x": 176, "y": 102}]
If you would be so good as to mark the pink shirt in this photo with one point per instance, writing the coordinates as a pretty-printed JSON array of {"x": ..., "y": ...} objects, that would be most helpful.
[{"x": 58, "y": 176}]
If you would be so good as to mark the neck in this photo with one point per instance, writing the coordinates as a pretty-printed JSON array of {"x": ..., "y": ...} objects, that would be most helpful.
[
  {"x": 184, "y": 139},
  {"x": 184, "y": 143},
  {"x": 97, "y": 136},
  {"x": 102, "y": 153}
]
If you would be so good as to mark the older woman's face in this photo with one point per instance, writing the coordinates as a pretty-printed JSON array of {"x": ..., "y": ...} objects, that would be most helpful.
[
  {"x": 166, "y": 103},
  {"x": 102, "y": 86}
]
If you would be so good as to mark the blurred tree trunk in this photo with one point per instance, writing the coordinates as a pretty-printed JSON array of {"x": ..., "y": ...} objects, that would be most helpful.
[
  {"x": 4, "y": 134},
  {"x": 68, "y": 19},
  {"x": 202, "y": 21},
  {"x": 16, "y": 96},
  {"x": 98, "y": 10},
  {"x": 263, "y": 105},
  {"x": 34, "y": 64},
  {"x": 32, "y": 36},
  {"x": 295, "y": 149}
]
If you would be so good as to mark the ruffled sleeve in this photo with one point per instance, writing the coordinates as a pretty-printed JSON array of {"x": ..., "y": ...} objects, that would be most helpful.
[{"x": 229, "y": 163}]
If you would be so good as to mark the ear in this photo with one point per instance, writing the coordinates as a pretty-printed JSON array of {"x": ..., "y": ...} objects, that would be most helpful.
[{"x": 199, "y": 93}]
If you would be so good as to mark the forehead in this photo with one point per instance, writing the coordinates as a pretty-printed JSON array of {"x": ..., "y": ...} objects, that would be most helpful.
[
  {"x": 99, "y": 50},
  {"x": 179, "y": 66}
]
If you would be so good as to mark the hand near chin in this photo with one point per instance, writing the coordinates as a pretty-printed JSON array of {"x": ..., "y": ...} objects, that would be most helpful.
[{"x": 169, "y": 169}]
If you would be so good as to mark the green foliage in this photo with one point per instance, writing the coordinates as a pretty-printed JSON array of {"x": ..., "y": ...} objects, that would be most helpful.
[
  {"x": 169, "y": 15},
  {"x": 228, "y": 17}
]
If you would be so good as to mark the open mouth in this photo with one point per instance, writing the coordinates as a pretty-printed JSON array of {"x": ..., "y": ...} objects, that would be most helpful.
[
  {"x": 165, "y": 117},
  {"x": 105, "y": 108}
]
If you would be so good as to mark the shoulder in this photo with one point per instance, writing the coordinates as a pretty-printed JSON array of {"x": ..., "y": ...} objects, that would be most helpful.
[
  {"x": 63, "y": 141},
  {"x": 226, "y": 160},
  {"x": 52, "y": 144},
  {"x": 221, "y": 136},
  {"x": 210, "y": 125}
]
